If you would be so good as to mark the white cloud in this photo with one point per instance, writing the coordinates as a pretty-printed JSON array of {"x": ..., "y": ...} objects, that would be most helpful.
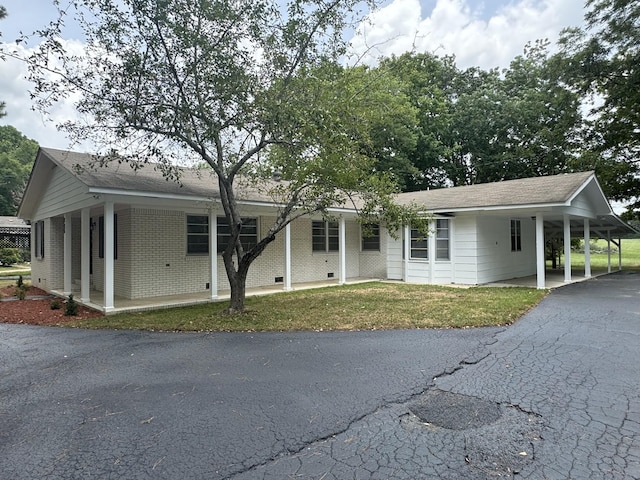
[
  {"x": 16, "y": 90},
  {"x": 453, "y": 27}
]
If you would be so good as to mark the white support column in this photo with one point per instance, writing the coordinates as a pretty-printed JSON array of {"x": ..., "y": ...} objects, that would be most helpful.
[
  {"x": 85, "y": 273},
  {"x": 343, "y": 251},
  {"x": 619, "y": 253},
  {"x": 609, "y": 251},
  {"x": 67, "y": 254},
  {"x": 540, "y": 260},
  {"x": 109, "y": 266},
  {"x": 213, "y": 254},
  {"x": 587, "y": 249},
  {"x": 567, "y": 248},
  {"x": 287, "y": 257},
  {"x": 406, "y": 248}
]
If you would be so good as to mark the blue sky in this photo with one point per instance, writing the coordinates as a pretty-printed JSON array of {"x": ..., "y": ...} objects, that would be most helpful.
[{"x": 484, "y": 33}]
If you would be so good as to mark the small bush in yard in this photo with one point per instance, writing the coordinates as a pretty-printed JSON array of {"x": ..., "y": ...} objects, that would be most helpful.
[
  {"x": 21, "y": 292},
  {"x": 56, "y": 304},
  {"x": 20, "y": 282},
  {"x": 71, "y": 307}
]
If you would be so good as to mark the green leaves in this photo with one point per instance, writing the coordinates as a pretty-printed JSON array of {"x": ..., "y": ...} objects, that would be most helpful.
[{"x": 17, "y": 153}]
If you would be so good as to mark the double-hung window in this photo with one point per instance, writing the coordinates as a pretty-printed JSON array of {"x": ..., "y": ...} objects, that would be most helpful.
[
  {"x": 324, "y": 236},
  {"x": 420, "y": 242},
  {"x": 516, "y": 236},
  {"x": 419, "y": 245},
  {"x": 248, "y": 233},
  {"x": 442, "y": 239},
  {"x": 38, "y": 246},
  {"x": 197, "y": 235},
  {"x": 371, "y": 237}
]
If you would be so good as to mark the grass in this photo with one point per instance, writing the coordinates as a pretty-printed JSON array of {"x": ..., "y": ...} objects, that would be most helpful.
[
  {"x": 630, "y": 255},
  {"x": 14, "y": 271},
  {"x": 367, "y": 306}
]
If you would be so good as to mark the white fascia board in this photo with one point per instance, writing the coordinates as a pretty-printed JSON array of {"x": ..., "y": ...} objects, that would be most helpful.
[
  {"x": 594, "y": 179},
  {"x": 532, "y": 206},
  {"x": 114, "y": 193}
]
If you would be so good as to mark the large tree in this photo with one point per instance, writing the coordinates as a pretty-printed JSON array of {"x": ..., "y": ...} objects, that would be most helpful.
[
  {"x": 17, "y": 154},
  {"x": 603, "y": 63},
  {"x": 3, "y": 14},
  {"x": 245, "y": 86}
]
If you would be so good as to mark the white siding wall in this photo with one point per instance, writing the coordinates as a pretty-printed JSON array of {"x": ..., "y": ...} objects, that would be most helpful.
[
  {"x": 496, "y": 261},
  {"x": 395, "y": 267},
  {"x": 64, "y": 193},
  {"x": 465, "y": 254}
]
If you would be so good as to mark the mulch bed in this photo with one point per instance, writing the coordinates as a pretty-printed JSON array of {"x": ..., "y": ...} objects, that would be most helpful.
[{"x": 37, "y": 311}]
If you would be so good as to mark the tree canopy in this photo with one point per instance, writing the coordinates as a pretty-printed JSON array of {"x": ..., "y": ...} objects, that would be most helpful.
[
  {"x": 602, "y": 62},
  {"x": 3, "y": 14},
  {"x": 17, "y": 154}
]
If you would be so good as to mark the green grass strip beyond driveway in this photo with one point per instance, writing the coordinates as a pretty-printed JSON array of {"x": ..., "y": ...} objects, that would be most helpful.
[{"x": 363, "y": 306}]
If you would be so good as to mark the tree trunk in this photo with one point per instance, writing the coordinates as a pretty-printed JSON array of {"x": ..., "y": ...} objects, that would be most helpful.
[{"x": 238, "y": 291}]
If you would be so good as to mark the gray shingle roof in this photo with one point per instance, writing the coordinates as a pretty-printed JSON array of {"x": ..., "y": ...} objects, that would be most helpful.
[
  {"x": 149, "y": 179},
  {"x": 553, "y": 189}
]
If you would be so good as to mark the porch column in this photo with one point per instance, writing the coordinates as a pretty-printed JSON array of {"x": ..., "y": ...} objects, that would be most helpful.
[
  {"x": 587, "y": 249},
  {"x": 108, "y": 257},
  {"x": 406, "y": 248},
  {"x": 540, "y": 260},
  {"x": 567, "y": 248},
  {"x": 287, "y": 257},
  {"x": 85, "y": 274},
  {"x": 609, "y": 251},
  {"x": 213, "y": 254},
  {"x": 67, "y": 254},
  {"x": 343, "y": 251},
  {"x": 619, "y": 253}
]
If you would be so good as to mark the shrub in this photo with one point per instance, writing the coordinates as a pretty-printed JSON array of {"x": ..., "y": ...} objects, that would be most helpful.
[
  {"x": 56, "y": 304},
  {"x": 21, "y": 292},
  {"x": 10, "y": 256},
  {"x": 71, "y": 307},
  {"x": 20, "y": 282}
]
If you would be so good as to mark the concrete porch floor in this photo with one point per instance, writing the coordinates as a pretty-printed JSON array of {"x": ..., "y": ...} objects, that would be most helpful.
[
  {"x": 554, "y": 279},
  {"x": 125, "y": 305}
]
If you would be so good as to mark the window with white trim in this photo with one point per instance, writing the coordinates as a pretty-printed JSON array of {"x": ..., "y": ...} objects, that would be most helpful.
[
  {"x": 324, "y": 236},
  {"x": 248, "y": 233},
  {"x": 371, "y": 237},
  {"x": 442, "y": 239},
  {"x": 516, "y": 236},
  {"x": 419, "y": 245}
]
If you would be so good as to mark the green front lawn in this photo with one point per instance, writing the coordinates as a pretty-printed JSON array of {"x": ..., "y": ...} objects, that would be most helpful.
[{"x": 367, "y": 306}]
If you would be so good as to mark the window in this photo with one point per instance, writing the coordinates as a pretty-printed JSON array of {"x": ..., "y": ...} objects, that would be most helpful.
[
  {"x": 197, "y": 235},
  {"x": 371, "y": 241},
  {"x": 419, "y": 245},
  {"x": 442, "y": 239},
  {"x": 38, "y": 245},
  {"x": 516, "y": 236},
  {"x": 324, "y": 236},
  {"x": 248, "y": 233},
  {"x": 420, "y": 242},
  {"x": 101, "y": 237}
]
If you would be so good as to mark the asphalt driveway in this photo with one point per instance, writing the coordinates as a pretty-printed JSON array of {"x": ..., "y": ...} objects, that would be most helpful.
[{"x": 555, "y": 396}]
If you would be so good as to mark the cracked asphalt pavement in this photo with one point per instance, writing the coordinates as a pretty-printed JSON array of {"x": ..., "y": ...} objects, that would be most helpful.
[{"x": 555, "y": 396}]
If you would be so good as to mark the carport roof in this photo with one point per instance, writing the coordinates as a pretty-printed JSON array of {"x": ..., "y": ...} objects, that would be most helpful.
[{"x": 553, "y": 189}]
